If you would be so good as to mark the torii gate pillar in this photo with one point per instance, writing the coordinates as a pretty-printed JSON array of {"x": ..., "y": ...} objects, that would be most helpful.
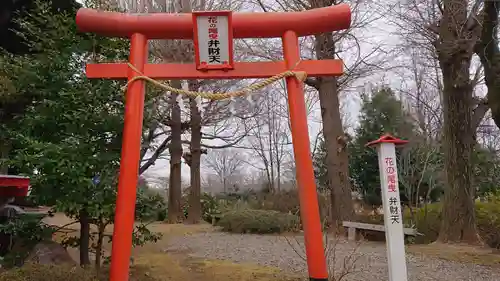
[{"x": 142, "y": 27}]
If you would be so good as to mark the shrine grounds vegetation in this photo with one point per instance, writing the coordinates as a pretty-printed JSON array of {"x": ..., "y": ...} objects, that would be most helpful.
[
  {"x": 266, "y": 213},
  {"x": 241, "y": 214},
  {"x": 258, "y": 221},
  {"x": 427, "y": 221}
]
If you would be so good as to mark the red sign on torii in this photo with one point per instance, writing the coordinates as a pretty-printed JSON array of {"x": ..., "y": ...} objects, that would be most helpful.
[{"x": 142, "y": 27}]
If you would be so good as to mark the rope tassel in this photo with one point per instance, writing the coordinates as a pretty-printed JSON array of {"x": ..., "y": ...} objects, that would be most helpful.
[
  {"x": 232, "y": 108},
  {"x": 199, "y": 104},
  {"x": 250, "y": 100},
  {"x": 180, "y": 101}
]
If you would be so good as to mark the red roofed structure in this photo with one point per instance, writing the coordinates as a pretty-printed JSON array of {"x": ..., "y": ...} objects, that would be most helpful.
[
  {"x": 387, "y": 139},
  {"x": 14, "y": 186}
]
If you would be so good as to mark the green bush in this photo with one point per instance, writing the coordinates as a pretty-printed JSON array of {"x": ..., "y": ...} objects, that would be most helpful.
[
  {"x": 162, "y": 214},
  {"x": 21, "y": 234},
  {"x": 488, "y": 221},
  {"x": 209, "y": 206},
  {"x": 150, "y": 206},
  {"x": 371, "y": 218},
  {"x": 258, "y": 221},
  {"x": 287, "y": 201},
  {"x": 428, "y": 221}
]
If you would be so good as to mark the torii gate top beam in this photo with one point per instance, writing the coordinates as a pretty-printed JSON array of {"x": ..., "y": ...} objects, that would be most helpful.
[{"x": 245, "y": 25}]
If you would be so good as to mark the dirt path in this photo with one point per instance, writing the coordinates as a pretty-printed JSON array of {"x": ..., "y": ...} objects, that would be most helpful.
[{"x": 371, "y": 258}]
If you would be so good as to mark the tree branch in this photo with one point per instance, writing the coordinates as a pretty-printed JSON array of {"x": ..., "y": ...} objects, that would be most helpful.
[
  {"x": 479, "y": 112},
  {"x": 312, "y": 82},
  {"x": 151, "y": 161}
]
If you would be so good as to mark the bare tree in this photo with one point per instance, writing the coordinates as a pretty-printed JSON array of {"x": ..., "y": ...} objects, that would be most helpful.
[
  {"x": 416, "y": 23},
  {"x": 456, "y": 39},
  {"x": 269, "y": 137},
  {"x": 175, "y": 127},
  {"x": 194, "y": 213},
  {"x": 226, "y": 164},
  {"x": 175, "y": 213},
  {"x": 489, "y": 135},
  {"x": 488, "y": 51},
  {"x": 449, "y": 31},
  {"x": 421, "y": 92},
  {"x": 328, "y": 46},
  {"x": 418, "y": 163}
]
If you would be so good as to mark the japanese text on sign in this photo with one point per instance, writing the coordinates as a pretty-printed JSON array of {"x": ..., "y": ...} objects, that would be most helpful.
[
  {"x": 394, "y": 209},
  {"x": 391, "y": 174},
  {"x": 213, "y": 43}
]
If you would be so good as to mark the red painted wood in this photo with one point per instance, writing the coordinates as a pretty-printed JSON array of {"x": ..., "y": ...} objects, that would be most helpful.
[
  {"x": 245, "y": 25},
  {"x": 242, "y": 70}
]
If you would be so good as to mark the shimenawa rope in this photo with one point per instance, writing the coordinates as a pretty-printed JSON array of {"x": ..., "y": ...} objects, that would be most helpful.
[{"x": 300, "y": 75}]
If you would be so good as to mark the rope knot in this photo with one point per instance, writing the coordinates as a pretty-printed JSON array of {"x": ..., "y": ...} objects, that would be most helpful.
[{"x": 300, "y": 75}]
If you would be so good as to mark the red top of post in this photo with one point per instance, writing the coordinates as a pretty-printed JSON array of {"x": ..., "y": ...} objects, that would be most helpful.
[
  {"x": 245, "y": 25},
  {"x": 14, "y": 186},
  {"x": 387, "y": 139}
]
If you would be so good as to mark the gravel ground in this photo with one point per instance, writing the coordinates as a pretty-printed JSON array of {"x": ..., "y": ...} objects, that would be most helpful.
[{"x": 279, "y": 251}]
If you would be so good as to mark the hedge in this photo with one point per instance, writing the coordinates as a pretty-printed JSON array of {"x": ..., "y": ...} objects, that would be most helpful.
[{"x": 258, "y": 221}]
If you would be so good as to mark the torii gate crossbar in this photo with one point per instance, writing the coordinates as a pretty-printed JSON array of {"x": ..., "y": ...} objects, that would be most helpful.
[{"x": 142, "y": 27}]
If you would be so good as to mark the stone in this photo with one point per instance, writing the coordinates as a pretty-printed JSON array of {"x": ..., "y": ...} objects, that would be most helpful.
[{"x": 50, "y": 252}]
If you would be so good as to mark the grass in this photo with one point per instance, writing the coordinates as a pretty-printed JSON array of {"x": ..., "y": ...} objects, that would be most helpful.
[{"x": 179, "y": 267}]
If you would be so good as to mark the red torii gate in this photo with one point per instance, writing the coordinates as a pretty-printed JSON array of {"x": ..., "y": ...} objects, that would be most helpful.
[{"x": 142, "y": 27}]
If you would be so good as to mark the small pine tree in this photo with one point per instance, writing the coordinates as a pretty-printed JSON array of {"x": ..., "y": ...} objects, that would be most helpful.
[{"x": 380, "y": 114}]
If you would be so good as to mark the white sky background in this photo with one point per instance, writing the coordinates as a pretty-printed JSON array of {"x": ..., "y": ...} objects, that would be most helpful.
[{"x": 378, "y": 34}]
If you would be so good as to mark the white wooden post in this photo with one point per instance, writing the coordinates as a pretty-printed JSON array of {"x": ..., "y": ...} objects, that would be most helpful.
[{"x": 393, "y": 219}]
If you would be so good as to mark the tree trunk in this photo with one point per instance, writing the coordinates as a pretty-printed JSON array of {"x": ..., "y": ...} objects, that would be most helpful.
[
  {"x": 84, "y": 238},
  {"x": 458, "y": 222},
  {"x": 99, "y": 244},
  {"x": 271, "y": 138},
  {"x": 4, "y": 155},
  {"x": 454, "y": 53},
  {"x": 337, "y": 158},
  {"x": 194, "y": 214},
  {"x": 175, "y": 214},
  {"x": 489, "y": 53}
]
